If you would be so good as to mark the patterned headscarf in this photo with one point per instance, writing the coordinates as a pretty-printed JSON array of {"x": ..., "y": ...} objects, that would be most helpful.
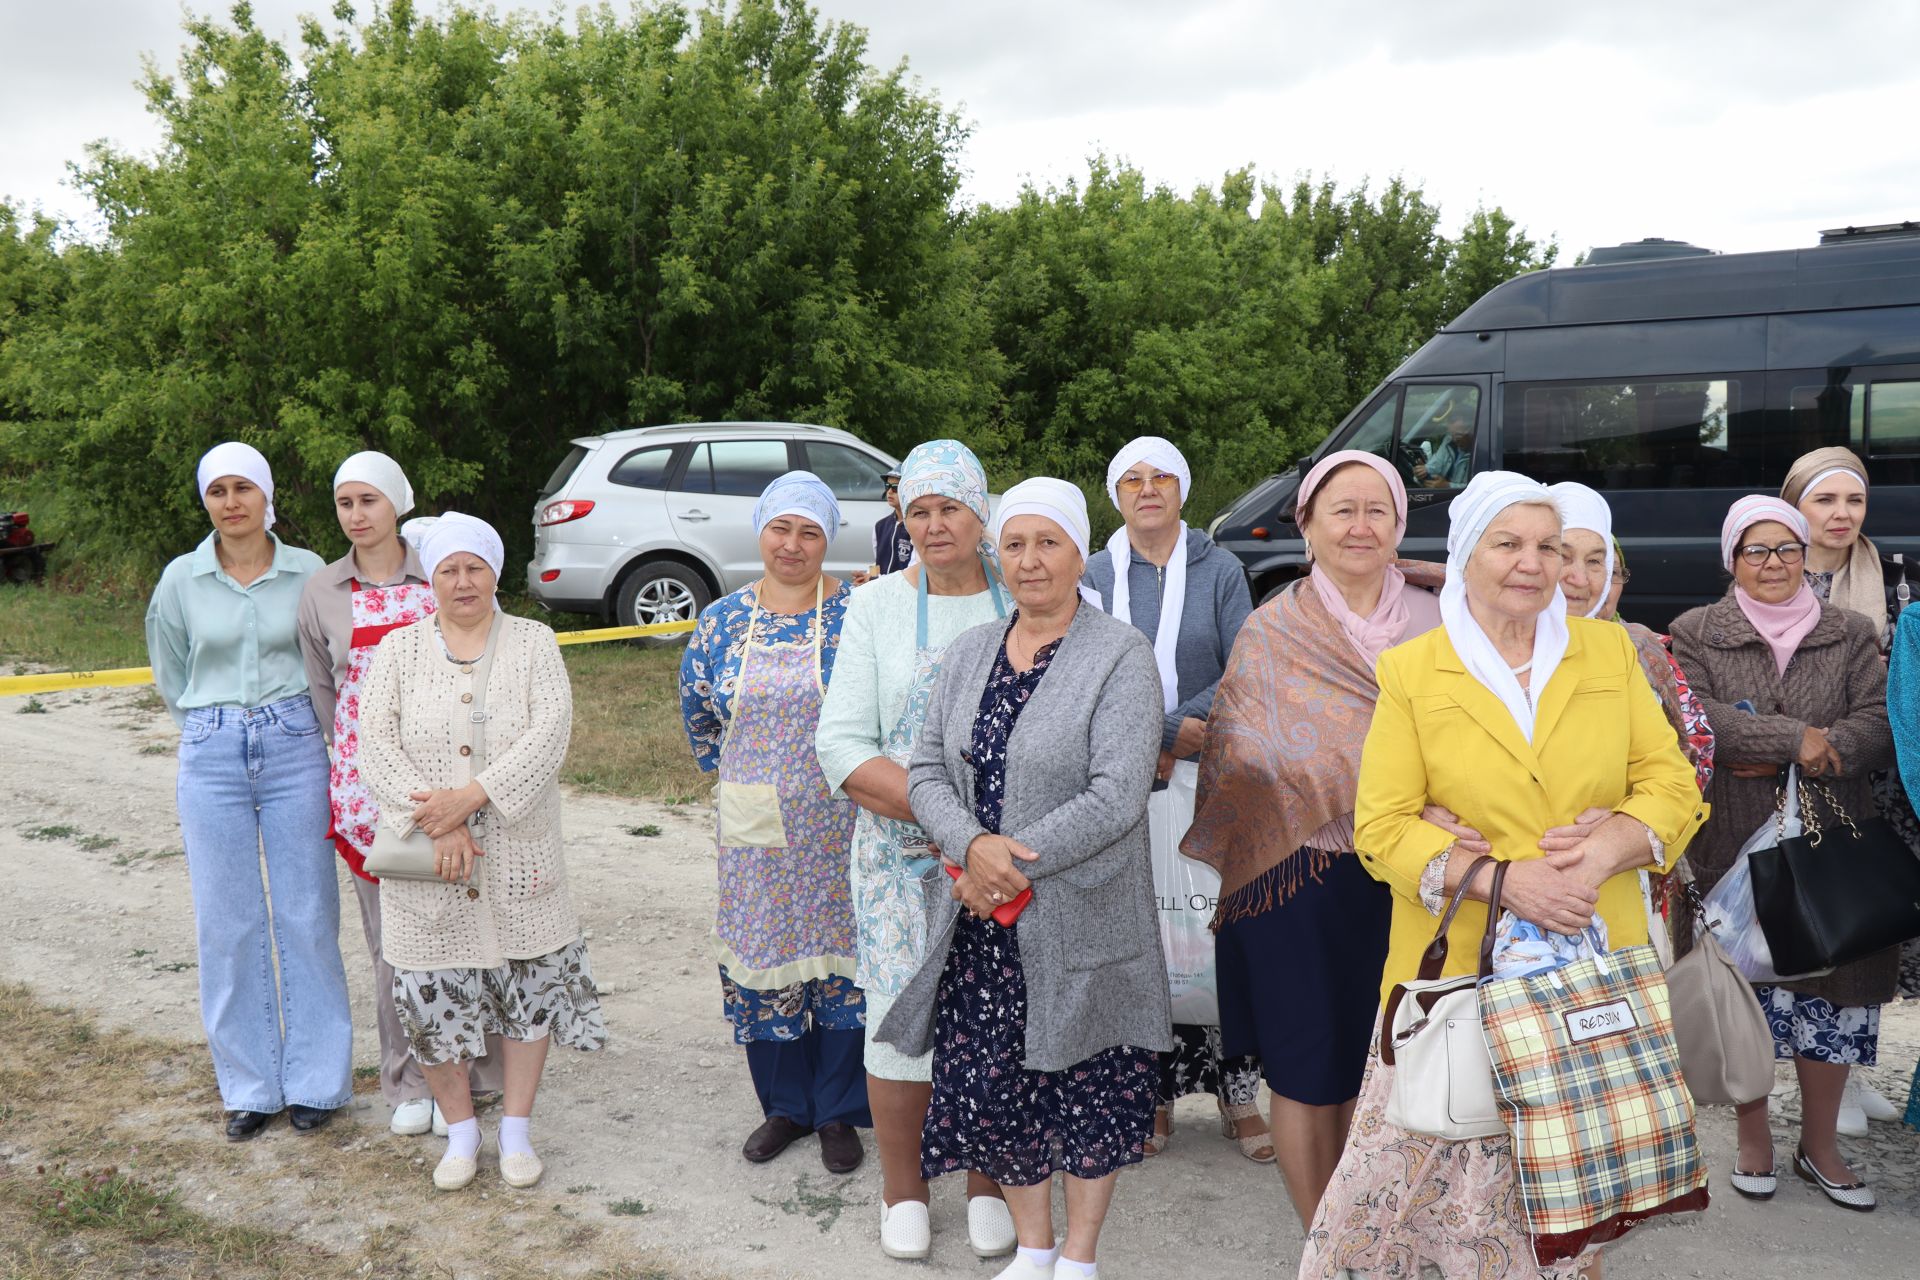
[
  {"x": 798, "y": 493},
  {"x": 948, "y": 469}
]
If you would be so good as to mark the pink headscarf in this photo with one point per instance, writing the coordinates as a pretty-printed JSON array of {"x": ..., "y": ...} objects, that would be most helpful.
[
  {"x": 1398, "y": 610},
  {"x": 1783, "y": 626}
]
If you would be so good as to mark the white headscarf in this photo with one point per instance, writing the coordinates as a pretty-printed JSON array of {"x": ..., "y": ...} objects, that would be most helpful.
[
  {"x": 1161, "y": 453},
  {"x": 380, "y": 471},
  {"x": 1484, "y": 498},
  {"x": 1173, "y": 592},
  {"x": 455, "y": 531},
  {"x": 1059, "y": 502},
  {"x": 1582, "y": 508},
  {"x": 798, "y": 493},
  {"x": 236, "y": 459}
]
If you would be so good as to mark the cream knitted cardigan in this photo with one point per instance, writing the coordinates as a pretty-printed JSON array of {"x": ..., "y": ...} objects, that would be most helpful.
[{"x": 413, "y": 723}]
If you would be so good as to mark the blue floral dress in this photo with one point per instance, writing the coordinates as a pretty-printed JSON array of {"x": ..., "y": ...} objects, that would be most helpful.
[
  {"x": 989, "y": 1113},
  {"x": 784, "y": 928}
]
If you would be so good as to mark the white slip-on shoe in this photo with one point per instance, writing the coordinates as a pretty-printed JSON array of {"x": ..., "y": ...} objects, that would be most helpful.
[
  {"x": 439, "y": 1122},
  {"x": 1021, "y": 1269},
  {"x": 1870, "y": 1100},
  {"x": 521, "y": 1169},
  {"x": 454, "y": 1172},
  {"x": 413, "y": 1117},
  {"x": 1852, "y": 1121},
  {"x": 990, "y": 1227},
  {"x": 1857, "y": 1196},
  {"x": 905, "y": 1230}
]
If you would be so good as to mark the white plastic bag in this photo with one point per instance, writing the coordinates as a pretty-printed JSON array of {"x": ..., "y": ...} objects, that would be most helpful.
[
  {"x": 1188, "y": 893},
  {"x": 1728, "y": 908}
]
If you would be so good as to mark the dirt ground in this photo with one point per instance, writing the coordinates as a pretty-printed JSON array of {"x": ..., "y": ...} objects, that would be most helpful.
[{"x": 642, "y": 1141}]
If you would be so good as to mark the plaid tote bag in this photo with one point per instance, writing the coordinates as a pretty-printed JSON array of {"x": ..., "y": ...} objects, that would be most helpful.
[{"x": 1589, "y": 1080}]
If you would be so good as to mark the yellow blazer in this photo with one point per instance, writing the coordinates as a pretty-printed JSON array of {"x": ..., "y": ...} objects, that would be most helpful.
[{"x": 1440, "y": 737}]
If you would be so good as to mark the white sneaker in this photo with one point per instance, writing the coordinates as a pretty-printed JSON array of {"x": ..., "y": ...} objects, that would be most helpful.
[
  {"x": 521, "y": 1169},
  {"x": 1852, "y": 1122},
  {"x": 439, "y": 1122},
  {"x": 454, "y": 1172},
  {"x": 1861, "y": 1092},
  {"x": 1021, "y": 1269},
  {"x": 990, "y": 1227},
  {"x": 905, "y": 1231},
  {"x": 414, "y": 1117}
]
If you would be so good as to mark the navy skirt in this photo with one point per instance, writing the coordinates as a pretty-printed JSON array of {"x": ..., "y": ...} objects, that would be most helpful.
[{"x": 1300, "y": 981}]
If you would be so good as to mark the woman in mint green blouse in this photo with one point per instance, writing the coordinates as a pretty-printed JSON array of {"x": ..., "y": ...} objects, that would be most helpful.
[{"x": 253, "y": 775}]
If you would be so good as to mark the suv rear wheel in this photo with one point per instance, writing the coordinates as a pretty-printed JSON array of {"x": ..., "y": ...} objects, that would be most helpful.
[{"x": 660, "y": 591}]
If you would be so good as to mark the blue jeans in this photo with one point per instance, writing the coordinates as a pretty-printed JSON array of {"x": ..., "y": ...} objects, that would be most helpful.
[{"x": 254, "y": 777}]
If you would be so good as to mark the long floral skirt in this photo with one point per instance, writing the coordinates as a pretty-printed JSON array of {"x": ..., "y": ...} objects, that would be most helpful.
[
  {"x": 1399, "y": 1200},
  {"x": 992, "y": 1115},
  {"x": 447, "y": 1014}
]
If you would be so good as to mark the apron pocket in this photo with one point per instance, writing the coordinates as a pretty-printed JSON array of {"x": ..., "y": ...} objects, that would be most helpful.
[{"x": 749, "y": 815}]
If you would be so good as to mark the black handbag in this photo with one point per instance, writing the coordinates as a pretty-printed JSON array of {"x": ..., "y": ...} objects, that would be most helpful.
[{"x": 1828, "y": 897}]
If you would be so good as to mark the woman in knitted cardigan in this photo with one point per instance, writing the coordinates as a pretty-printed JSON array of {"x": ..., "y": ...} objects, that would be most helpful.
[{"x": 464, "y": 724}]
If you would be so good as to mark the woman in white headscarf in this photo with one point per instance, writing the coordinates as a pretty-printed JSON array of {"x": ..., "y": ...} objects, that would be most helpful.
[
  {"x": 1479, "y": 717},
  {"x": 345, "y": 611},
  {"x": 752, "y": 683},
  {"x": 1190, "y": 598},
  {"x": 463, "y": 727},
  {"x": 253, "y": 776}
]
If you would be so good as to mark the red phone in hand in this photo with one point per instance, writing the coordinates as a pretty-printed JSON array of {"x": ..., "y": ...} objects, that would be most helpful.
[{"x": 1007, "y": 912}]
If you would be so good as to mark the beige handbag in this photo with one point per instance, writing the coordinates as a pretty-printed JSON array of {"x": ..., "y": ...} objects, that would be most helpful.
[
  {"x": 411, "y": 857},
  {"x": 1430, "y": 1035},
  {"x": 1726, "y": 1047},
  {"x": 749, "y": 812}
]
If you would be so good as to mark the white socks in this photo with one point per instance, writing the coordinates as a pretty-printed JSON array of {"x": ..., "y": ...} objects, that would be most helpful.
[
  {"x": 1039, "y": 1257},
  {"x": 463, "y": 1138},
  {"x": 513, "y": 1136},
  {"x": 1068, "y": 1269}
]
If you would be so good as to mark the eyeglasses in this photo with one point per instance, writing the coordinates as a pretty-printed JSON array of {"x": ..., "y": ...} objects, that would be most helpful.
[
  {"x": 1621, "y": 575},
  {"x": 1134, "y": 484},
  {"x": 1789, "y": 553},
  {"x": 893, "y": 488}
]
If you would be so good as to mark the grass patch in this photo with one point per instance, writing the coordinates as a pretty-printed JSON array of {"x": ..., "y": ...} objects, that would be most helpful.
[
  {"x": 157, "y": 749},
  {"x": 73, "y": 630},
  {"x": 51, "y": 833},
  {"x": 628, "y": 1208},
  {"x": 646, "y": 829},
  {"x": 824, "y": 1207},
  {"x": 32, "y": 707}
]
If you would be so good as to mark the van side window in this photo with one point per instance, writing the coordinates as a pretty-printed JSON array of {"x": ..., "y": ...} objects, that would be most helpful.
[
  {"x": 1426, "y": 430},
  {"x": 1641, "y": 434},
  {"x": 1893, "y": 419}
]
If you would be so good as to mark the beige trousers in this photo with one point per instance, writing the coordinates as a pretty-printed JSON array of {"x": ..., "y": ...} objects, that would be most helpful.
[{"x": 400, "y": 1076}]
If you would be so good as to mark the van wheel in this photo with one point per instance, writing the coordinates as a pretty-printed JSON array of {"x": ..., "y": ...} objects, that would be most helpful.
[
  {"x": 1274, "y": 586},
  {"x": 660, "y": 591}
]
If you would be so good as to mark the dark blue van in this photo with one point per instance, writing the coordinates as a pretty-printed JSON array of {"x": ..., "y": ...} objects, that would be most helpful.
[{"x": 1671, "y": 384}]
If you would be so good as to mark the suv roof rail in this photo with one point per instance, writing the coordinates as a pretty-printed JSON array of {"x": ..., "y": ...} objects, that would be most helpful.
[
  {"x": 681, "y": 428},
  {"x": 1878, "y": 231}
]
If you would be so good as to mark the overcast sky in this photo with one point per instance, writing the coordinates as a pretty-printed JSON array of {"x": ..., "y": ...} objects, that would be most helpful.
[{"x": 1737, "y": 124}]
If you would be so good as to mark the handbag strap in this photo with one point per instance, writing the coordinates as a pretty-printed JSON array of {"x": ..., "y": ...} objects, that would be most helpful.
[
  {"x": 1434, "y": 958},
  {"x": 1493, "y": 921}
]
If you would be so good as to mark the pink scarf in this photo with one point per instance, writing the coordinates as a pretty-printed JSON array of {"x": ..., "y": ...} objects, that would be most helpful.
[
  {"x": 1399, "y": 614},
  {"x": 1783, "y": 626}
]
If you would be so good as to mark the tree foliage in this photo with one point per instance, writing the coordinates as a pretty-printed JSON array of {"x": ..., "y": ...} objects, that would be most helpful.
[{"x": 466, "y": 239}]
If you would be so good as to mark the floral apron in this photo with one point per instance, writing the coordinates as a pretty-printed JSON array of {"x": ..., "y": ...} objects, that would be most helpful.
[
  {"x": 892, "y": 858},
  {"x": 785, "y": 914},
  {"x": 376, "y": 611}
]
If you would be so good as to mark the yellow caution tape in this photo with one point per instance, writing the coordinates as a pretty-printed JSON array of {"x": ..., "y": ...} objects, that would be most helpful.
[{"x": 61, "y": 681}]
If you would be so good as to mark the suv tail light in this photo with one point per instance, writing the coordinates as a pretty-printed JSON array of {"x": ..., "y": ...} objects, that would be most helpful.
[{"x": 563, "y": 511}]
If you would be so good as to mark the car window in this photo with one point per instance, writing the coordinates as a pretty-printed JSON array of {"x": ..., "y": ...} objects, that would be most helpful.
[
  {"x": 1642, "y": 434},
  {"x": 853, "y": 474},
  {"x": 563, "y": 472},
  {"x": 643, "y": 468},
  {"x": 1893, "y": 419},
  {"x": 1437, "y": 427},
  {"x": 740, "y": 468}
]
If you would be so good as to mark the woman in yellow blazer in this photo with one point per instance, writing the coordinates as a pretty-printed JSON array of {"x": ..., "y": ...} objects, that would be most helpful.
[{"x": 1513, "y": 728}]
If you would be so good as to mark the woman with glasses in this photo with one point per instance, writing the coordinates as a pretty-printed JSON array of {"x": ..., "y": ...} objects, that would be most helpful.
[
  {"x": 1190, "y": 598},
  {"x": 1789, "y": 679}
]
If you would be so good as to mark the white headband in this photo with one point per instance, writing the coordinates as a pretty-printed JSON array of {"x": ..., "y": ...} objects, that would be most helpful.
[{"x": 1828, "y": 474}]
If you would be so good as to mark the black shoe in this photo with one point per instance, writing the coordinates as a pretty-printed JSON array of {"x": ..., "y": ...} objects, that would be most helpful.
[
  {"x": 308, "y": 1119},
  {"x": 242, "y": 1125},
  {"x": 840, "y": 1148},
  {"x": 775, "y": 1135}
]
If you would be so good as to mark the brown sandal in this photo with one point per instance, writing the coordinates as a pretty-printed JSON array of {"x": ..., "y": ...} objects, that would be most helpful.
[
  {"x": 1154, "y": 1145},
  {"x": 1257, "y": 1147}
]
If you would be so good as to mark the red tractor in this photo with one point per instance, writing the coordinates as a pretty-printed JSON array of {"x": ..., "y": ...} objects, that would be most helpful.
[{"x": 21, "y": 558}]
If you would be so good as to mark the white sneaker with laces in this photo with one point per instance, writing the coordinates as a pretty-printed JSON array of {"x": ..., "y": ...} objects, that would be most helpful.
[
  {"x": 1870, "y": 1100},
  {"x": 414, "y": 1117},
  {"x": 1852, "y": 1121},
  {"x": 905, "y": 1231},
  {"x": 990, "y": 1227}
]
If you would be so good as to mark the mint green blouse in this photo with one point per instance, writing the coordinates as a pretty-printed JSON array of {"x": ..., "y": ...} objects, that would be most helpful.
[{"x": 215, "y": 643}]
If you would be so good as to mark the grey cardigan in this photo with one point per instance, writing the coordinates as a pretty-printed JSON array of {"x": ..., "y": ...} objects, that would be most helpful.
[
  {"x": 1080, "y": 765},
  {"x": 1836, "y": 681}
]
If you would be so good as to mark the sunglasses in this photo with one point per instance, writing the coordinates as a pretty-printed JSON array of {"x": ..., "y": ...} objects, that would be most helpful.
[
  {"x": 892, "y": 487},
  {"x": 1134, "y": 484}
]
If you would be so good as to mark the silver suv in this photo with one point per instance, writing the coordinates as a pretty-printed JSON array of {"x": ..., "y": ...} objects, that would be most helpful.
[{"x": 652, "y": 524}]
